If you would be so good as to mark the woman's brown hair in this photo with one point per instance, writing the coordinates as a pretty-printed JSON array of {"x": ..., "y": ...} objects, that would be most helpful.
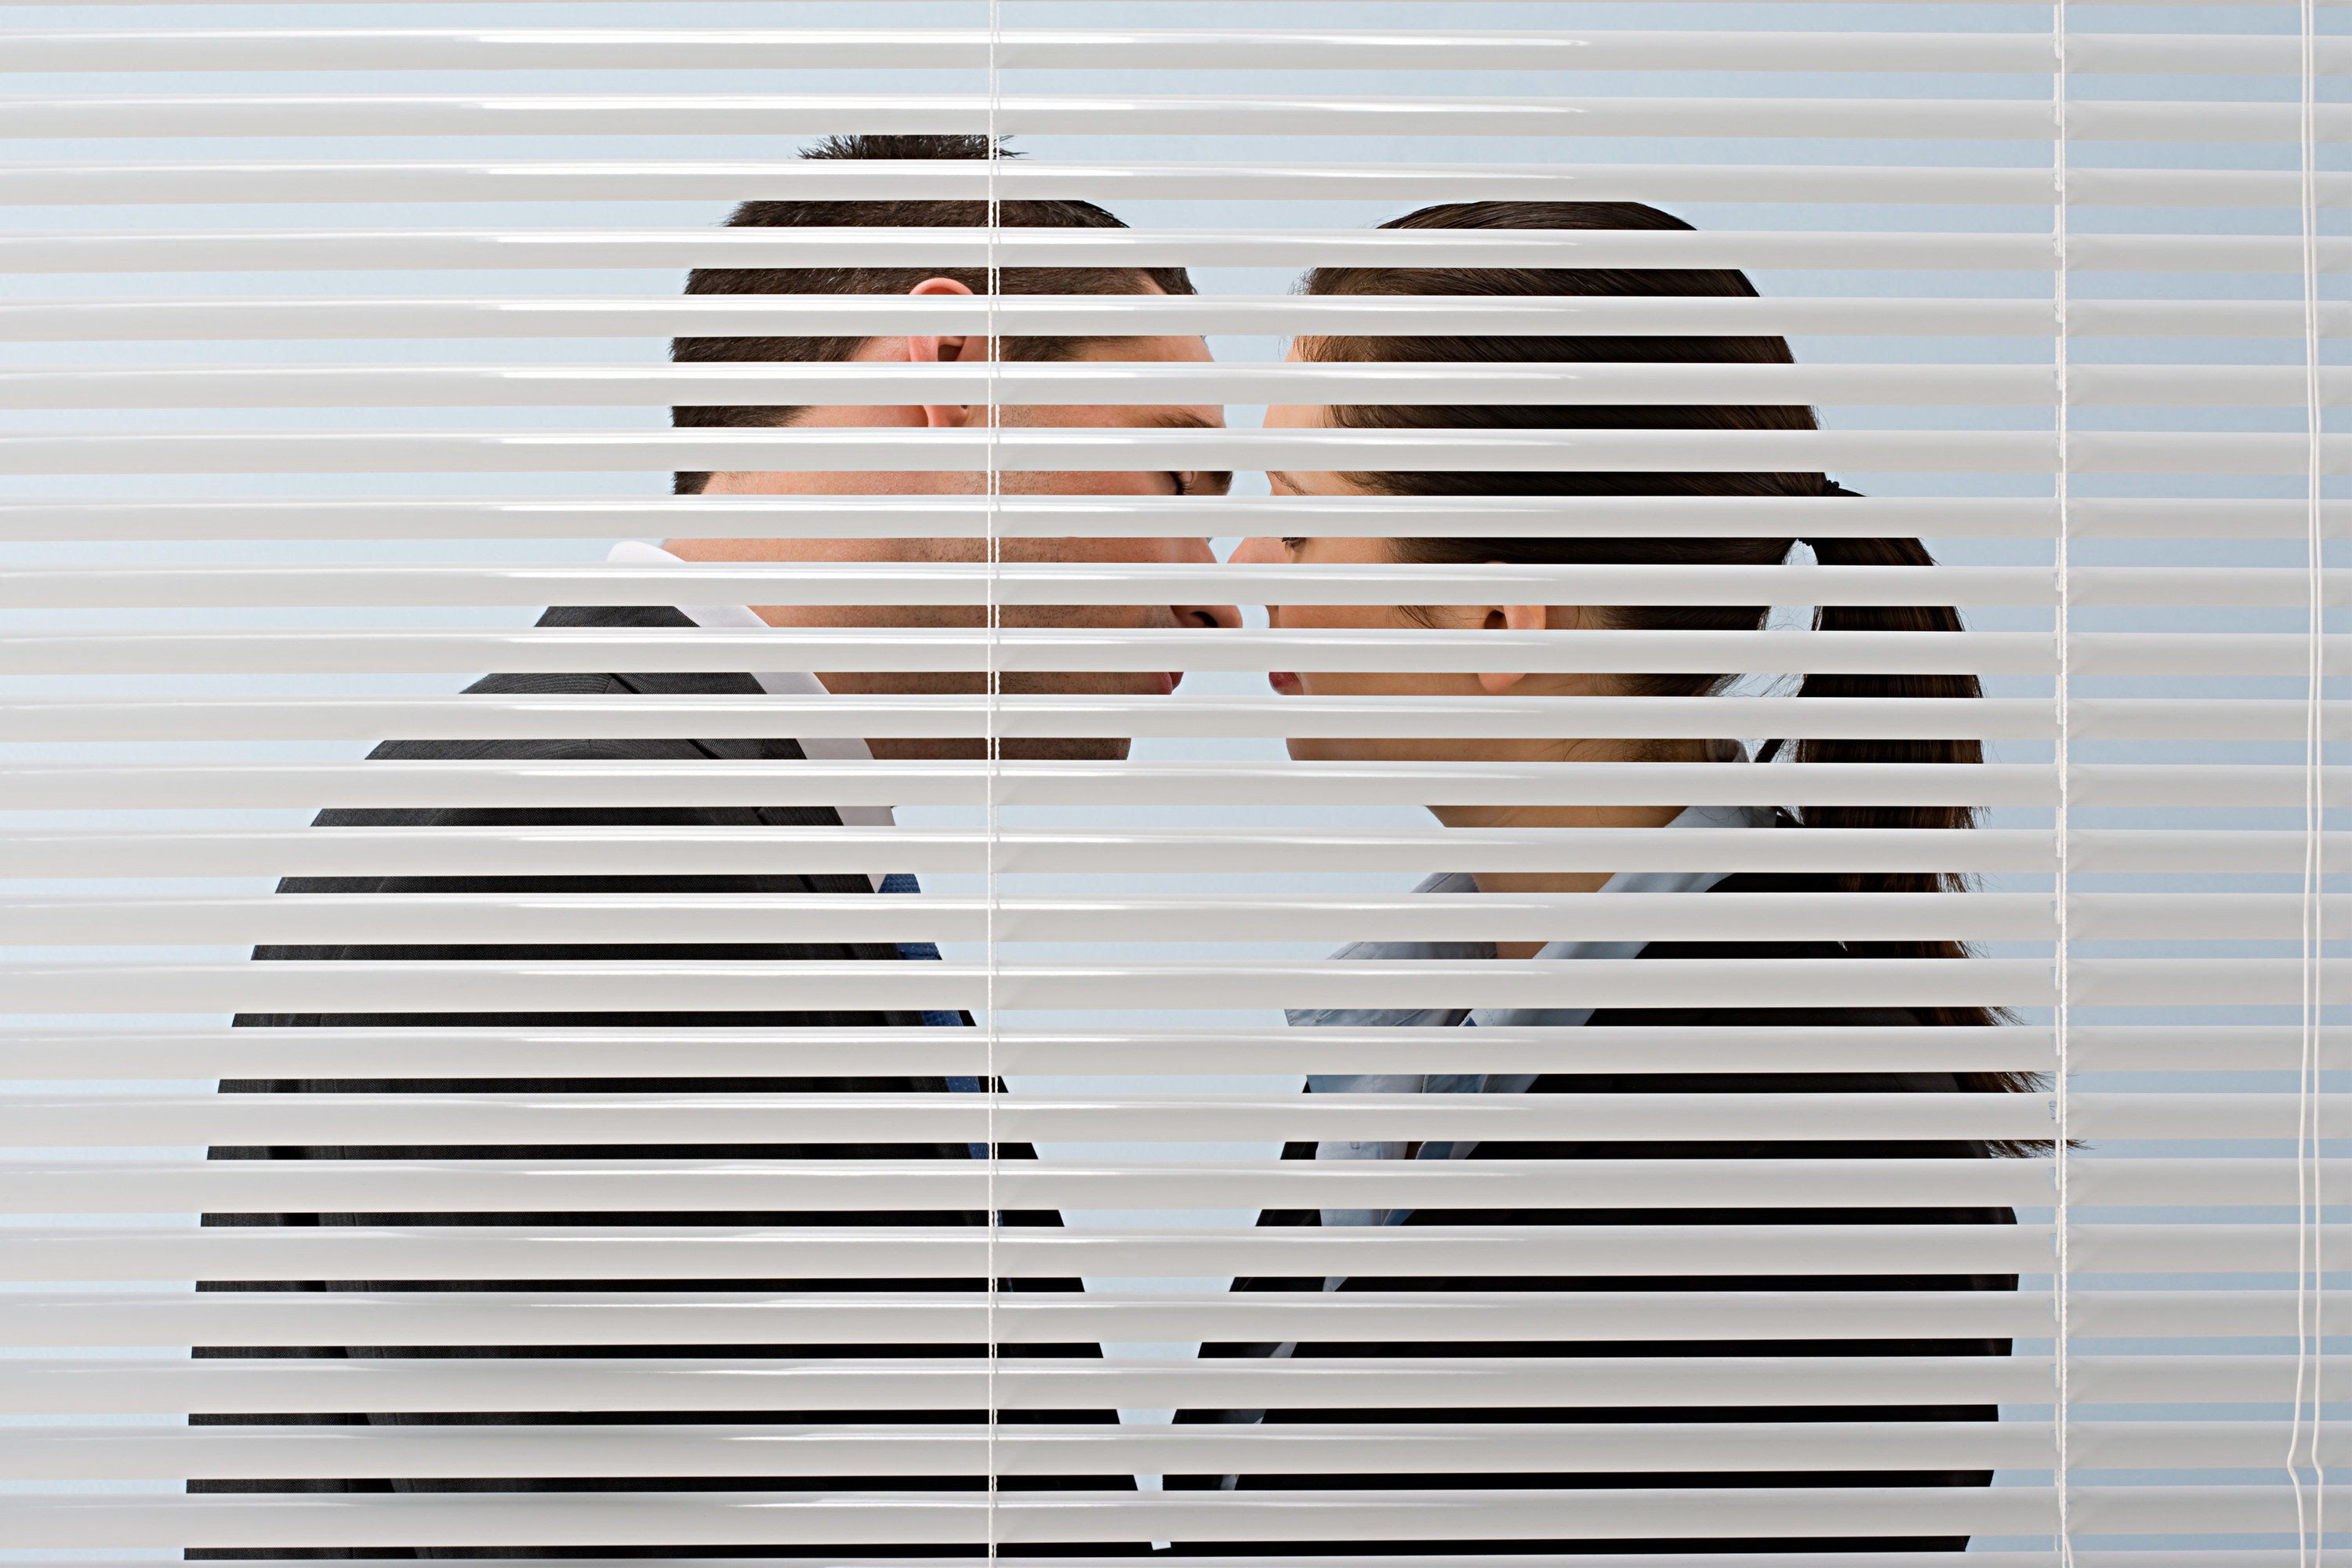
[{"x": 1831, "y": 552}]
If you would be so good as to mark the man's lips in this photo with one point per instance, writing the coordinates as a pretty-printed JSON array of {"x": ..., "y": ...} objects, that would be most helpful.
[{"x": 1282, "y": 680}]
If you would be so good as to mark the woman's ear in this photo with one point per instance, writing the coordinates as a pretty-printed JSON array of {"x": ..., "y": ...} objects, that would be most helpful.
[{"x": 1525, "y": 618}]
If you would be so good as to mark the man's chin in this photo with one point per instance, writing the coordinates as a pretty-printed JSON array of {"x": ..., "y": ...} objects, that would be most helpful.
[{"x": 1125, "y": 686}]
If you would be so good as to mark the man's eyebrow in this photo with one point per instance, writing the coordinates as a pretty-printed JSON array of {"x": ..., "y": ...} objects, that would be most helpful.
[
  {"x": 1164, "y": 418},
  {"x": 1167, "y": 419}
]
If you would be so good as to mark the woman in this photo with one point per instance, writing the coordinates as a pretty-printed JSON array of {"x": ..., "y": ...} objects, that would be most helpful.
[{"x": 1834, "y": 551}]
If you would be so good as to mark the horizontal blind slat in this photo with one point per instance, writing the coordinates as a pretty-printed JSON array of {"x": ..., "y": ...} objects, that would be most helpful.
[
  {"x": 551, "y": 1118},
  {"x": 830, "y": 516},
  {"x": 552, "y": 1185},
  {"x": 371, "y": 719},
  {"x": 176, "y": 1319},
  {"x": 197, "y": 584},
  {"x": 373, "y": 250},
  {"x": 549, "y": 650},
  {"x": 676, "y": 49},
  {"x": 479, "y": 1053},
  {"x": 2226, "y": 4},
  {"x": 556, "y": 717},
  {"x": 476, "y": 1186},
  {"x": 334, "y": 651},
  {"x": 124, "y": 1318},
  {"x": 715, "y": 781},
  {"x": 760, "y": 1520},
  {"x": 96, "y": 117},
  {"x": 188, "y": 585},
  {"x": 1101, "y": 382},
  {"x": 133, "y": 1453},
  {"x": 1097, "y": 449},
  {"x": 525, "y": 919},
  {"x": 394, "y": 782},
  {"x": 184, "y": 182},
  {"x": 249, "y": 1453},
  {"x": 362, "y": 987},
  {"x": 95, "y": 1556},
  {"x": 468, "y": 1252},
  {"x": 763, "y": 1520},
  {"x": 616, "y": 1186},
  {"x": 1580, "y": 315},
  {"x": 363, "y": 851},
  {"x": 51, "y": 1120},
  {"x": 584, "y": 851},
  {"x": 461, "y": 1053},
  {"x": 1022, "y": 716},
  {"x": 139, "y": 1453},
  {"x": 428, "y": 1384}
]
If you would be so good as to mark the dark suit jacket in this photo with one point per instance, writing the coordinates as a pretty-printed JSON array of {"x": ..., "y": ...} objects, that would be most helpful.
[
  {"x": 653, "y": 1082},
  {"x": 1758, "y": 1149}
]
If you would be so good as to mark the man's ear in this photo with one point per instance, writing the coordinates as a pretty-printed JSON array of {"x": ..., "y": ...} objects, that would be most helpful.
[
  {"x": 944, "y": 349},
  {"x": 1526, "y": 618}
]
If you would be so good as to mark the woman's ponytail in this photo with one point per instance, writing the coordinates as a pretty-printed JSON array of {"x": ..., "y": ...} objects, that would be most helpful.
[
  {"x": 1899, "y": 619},
  {"x": 1884, "y": 618}
]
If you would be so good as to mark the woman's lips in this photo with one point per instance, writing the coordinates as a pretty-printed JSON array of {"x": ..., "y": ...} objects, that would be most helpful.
[
  {"x": 1282, "y": 680},
  {"x": 1165, "y": 681}
]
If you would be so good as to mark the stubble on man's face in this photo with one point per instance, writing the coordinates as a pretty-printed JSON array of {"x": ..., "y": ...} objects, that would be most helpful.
[
  {"x": 1111, "y": 684},
  {"x": 1071, "y": 683}
]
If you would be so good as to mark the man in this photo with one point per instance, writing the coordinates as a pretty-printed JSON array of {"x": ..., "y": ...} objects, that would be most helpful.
[
  {"x": 919, "y": 350},
  {"x": 944, "y": 349}
]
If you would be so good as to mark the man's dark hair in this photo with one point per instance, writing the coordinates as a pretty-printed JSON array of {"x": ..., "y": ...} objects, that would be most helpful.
[{"x": 892, "y": 280}]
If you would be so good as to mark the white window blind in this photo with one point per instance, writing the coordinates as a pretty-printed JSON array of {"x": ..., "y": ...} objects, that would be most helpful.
[{"x": 604, "y": 1158}]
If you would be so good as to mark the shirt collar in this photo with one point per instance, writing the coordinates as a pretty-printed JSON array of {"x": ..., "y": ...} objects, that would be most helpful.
[
  {"x": 1486, "y": 1017},
  {"x": 1557, "y": 1017},
  {"x": 774, "y": 682}
]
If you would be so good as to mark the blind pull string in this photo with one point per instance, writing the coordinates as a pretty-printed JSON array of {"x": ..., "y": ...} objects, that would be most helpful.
[
  {"x": 2061, "y": 1214},
  {"x": 2303, "y": 1450},
  {"x": 993, "y": 483}
]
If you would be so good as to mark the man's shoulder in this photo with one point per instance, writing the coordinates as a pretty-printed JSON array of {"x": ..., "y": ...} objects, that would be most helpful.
[
  {"x": 607, "y": 618},
  {"x": 573, "y": 618},
  {"x": 690, "y": 683},
  {"x": 614, "y": 615}
]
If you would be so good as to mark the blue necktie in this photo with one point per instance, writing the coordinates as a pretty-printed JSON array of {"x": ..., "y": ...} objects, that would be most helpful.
[{"x": 901, "y": 882}]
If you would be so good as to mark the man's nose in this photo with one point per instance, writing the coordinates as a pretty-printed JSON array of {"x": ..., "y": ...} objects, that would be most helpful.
[{"x": 1227, "y": 615}]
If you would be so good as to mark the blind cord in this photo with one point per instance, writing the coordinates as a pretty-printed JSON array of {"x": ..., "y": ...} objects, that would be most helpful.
[
  {"x": 992, "y": 745},
  {"x": 2060, "y": 1213},
  {"x": 2302, "y": 1440}
]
